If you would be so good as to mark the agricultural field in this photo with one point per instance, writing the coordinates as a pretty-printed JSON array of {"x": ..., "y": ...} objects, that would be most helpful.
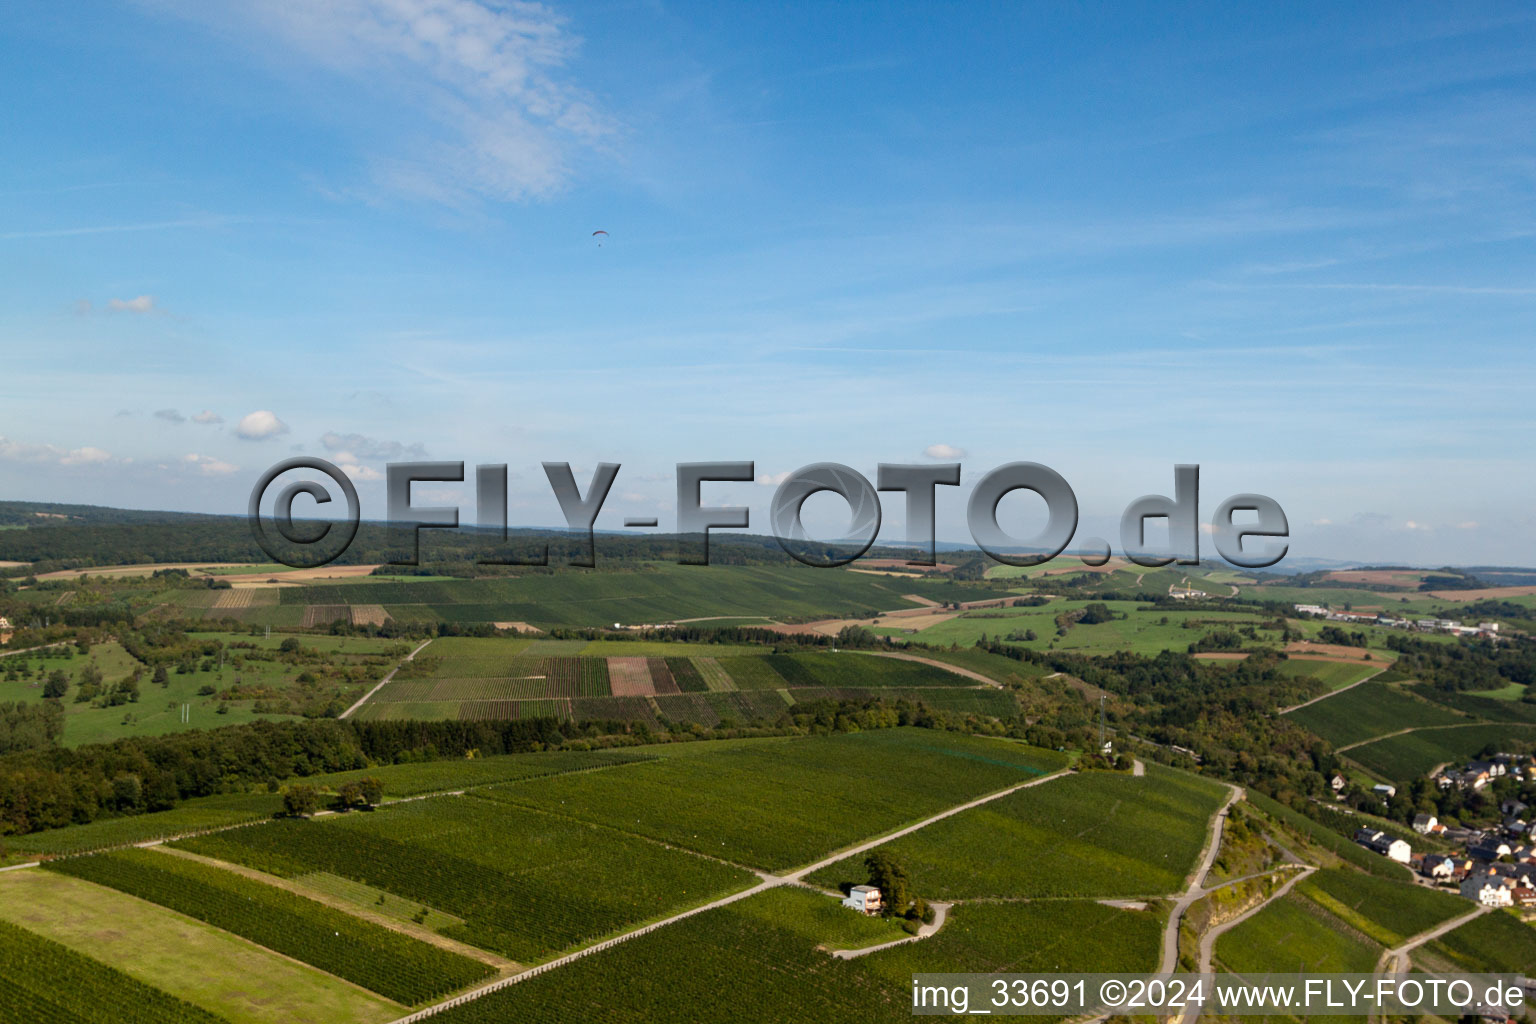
[
  {"x": 1294, "y": 934},
  {"x": 191, "y": 816},
  {"x": 769, "y": 806},
  {"x": 395, "y": 966},
  {"x": 1386, "y": 912},
  {"x": 1369, "y": 710},
  {"x": 185, "y": 959},
  {"x": 1334, "y": 675},
  {"x": 1493, "y": 942},
  {"x": 473, "y": 678},
  {"x": 1062, "y": 839},
  {"x": 1406, "y": 757},
  {"x": 525, "y": 884},
  {"x": 756, "y": 961},
  {"x": 46, "y": 982},
  {"x": 655, "y": 592}
]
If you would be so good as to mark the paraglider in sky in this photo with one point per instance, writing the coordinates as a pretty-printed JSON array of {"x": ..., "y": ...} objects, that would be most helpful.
[{"x": 599, "y": 235}]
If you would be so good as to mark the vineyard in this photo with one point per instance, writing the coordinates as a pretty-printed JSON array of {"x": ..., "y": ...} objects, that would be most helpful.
[
  {"x": 778, "y": 805},
  {"x": 526, "y": 884},
  {"x": 46, "y": 983},
  {"x": 210, "y": 812},
  {"x": 393, "y": 965},
  {"x": 1074, "y": 831},
  {"x": 1370, "y": 709}
]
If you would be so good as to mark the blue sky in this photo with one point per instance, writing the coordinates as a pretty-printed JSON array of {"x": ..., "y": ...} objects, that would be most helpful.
[{"x": 1289, "y": 243}]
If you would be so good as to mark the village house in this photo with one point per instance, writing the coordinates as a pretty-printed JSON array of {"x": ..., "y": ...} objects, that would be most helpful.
[
  {"x": 1438, "y": 866},
  {"x": 5, "y": 630},
  {"x": 1337, "y": 783},
  {"x": 1425, "y": 824},
  {"x": 863, "y": 898},
  {"x": 1384, "y": 790},
  {"x": 1488, "y": 891},
  {"x": 1379, "y": 842}
]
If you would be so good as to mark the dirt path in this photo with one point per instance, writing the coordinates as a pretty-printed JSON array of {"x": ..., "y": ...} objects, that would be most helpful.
[
  {"x": 1208, "y": 940},
  {"x": 364, "y": 698},
  {"x": 415, "y": 931},
  {"x": 1331, "y": 693},
  {"x": 956, "y": 669},
  {"x": 1195, "y": 889},
  {"x": 29, "y": 650},
  {"x": 940, "y": 912},
  {"x": 768, "y": 882},
  {"x": 1395, "y": 961}
]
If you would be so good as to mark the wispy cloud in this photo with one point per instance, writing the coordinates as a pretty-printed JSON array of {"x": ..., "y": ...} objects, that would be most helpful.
[
  {"x": 944, "y": 451},
  {"x": 170, "y": 416},
  {"x": 368, "y": 448},
  {"x": 477, "y": 102},
  {"x": 138, "y": 304},
  {"x": 207, "y": 418}
]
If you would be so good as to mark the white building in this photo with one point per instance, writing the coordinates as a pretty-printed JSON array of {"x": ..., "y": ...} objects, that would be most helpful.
[
  {"x": 1490, "y": 892},
  {"x": 863, "y": 898},
  {"x": 1384, "y": 790},
  {"x": 1424, "y": 824}
]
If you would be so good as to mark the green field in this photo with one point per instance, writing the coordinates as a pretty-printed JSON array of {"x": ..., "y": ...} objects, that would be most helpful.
[
  {"x": 187, "y": 959},
  {"x": 1370, "y": 709},
  {"x": 526, "y": 884},
  {"x": 45, "y": 982},
  {"x": 396, "y": 966},
  {"x": 1295, "y": 934},
  {"x": 191, "y": 816},
  {"x": 1385, "y": 911},
  {"x": 1404, "y": 758},
  {"x": 779, "y": 805},
  {"x": 1065, "y": 837},
  {"x": 1335, "y": 675},
  {"x": 1493, "y": 942}
]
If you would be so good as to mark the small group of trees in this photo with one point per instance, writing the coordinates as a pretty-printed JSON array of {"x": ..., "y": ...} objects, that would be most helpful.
[
  {"x": 302, "y": 799},
  {"x": 896, "y": 896}
]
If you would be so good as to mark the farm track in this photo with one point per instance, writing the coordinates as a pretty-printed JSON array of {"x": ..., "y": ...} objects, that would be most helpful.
[
  {"x": 1195, "y": 889},
  {"x": 956, "y": 669},
  {"x": 1394, "y": 961},
  {"x": 940, "y": 913},
  {"x": 1415, "y": 728},
  {"x": 768, "y": 882},
  {"x": 364, "y": 698}
]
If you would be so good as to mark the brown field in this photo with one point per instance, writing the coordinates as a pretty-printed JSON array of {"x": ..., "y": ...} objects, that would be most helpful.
[
  {"x": 1110, "y": 566},
  {"x": 136, "y": 570},
  {"x": 1487, "y": 594},
  {"x": 517, "y": 627},
  {"x": 325, "y": 614},
  {"x": 234, "y": 599},
  {"x": 13, "y": 565},
  {"x": 1305, "y": 650},
  {"x": 369, "y": 615},
  {"x": 1222, "y": 655},
  {"x": 896, "y": 563},
  {"x": 293, "y": 577},
  {"x": 630, "y": 677}
]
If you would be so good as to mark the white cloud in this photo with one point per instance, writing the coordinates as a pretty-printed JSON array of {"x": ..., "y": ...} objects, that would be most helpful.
[
  {"x": 170, "y": 416},
  {"x": 772, "y": 479},
  {"x": 261, "y": 425},
  {"x": 86, "y": 456},
  {"x": 477, "y": 100},
  {"x": 209, "y": 465},
  {"x": 944, "y": 451},
  {"x": 207, "y": 417},
  {"x": 141, "y": 304},
  {"x": 356, "y": 447}
]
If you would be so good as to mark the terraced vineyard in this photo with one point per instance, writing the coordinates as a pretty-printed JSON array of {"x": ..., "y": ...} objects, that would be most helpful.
[
  {"x": 1406, "y": 757},
  {"x": 526, "y": 884},
  {"x": 1370, "y": 709},
  {"x": 395, "y": 966}
]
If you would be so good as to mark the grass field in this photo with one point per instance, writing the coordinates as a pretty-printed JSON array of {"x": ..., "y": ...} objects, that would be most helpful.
[
  {"x": 1370, "y": 709},
  {"x": 187, "y": 959},
  {"x": 776, "y": 806},
  {"x": 1404, "y": 758},
  {"x": 526, "y": 884},
  {"x": 1063, "y": 838},
  {"x": 193, "y": 815},
  {"x": 396, "y": 966}
]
